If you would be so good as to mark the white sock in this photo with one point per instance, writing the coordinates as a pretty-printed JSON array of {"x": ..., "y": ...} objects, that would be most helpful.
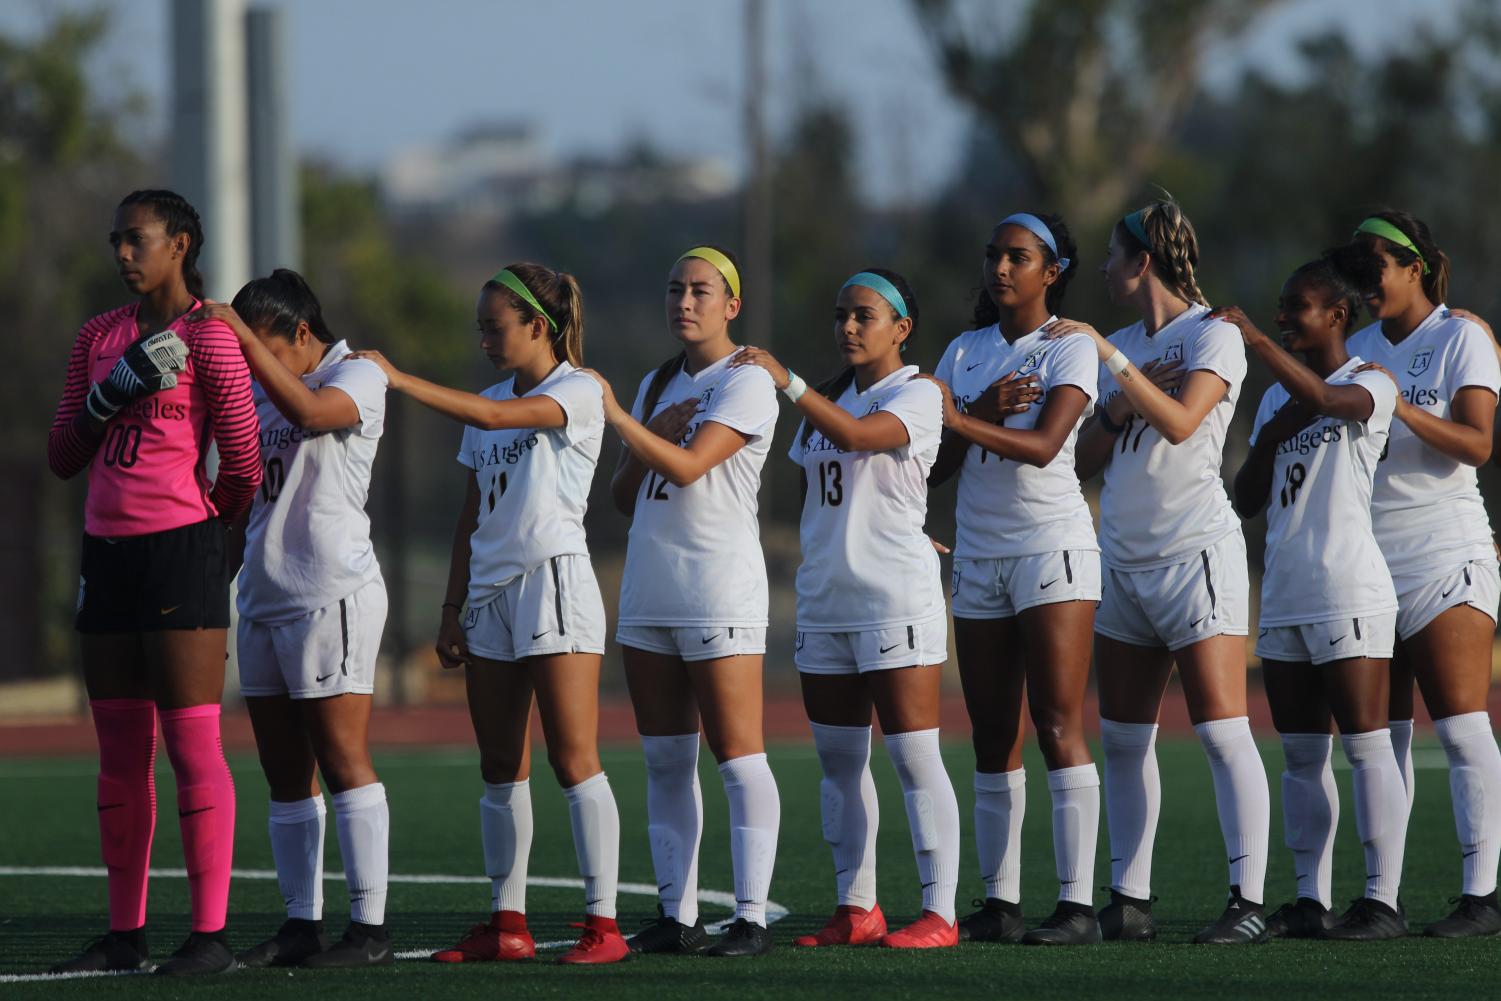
[
  {"x": 1000, "y": 804},
  {"x": 1402, "y": 747},
  {"x": 505, "y": 823},
  {"x": 1310, "y": 812},
  {"x": 933, "y": 815},
  {"x": 755, "y": 819},
  {"x": 675, "y": 821},
  {"x": 848, "y": 807},
  {"x": 1243, "y": 800},
  {"x": 297, "y": 848},
  {"x": 596, "y": 842},
  {"x": 1076, "y": 830},
  {"x": 1380, "y": 811},
  {"x": 364, "y": 823},
  {"x": 1475, "y": 787},
  {"x": 1133, "y": 802}
]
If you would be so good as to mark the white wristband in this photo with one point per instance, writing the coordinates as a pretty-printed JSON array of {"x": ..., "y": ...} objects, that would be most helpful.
[
  {"x": 795, "y": 387},
  {"x": 1116, "y": 363}
]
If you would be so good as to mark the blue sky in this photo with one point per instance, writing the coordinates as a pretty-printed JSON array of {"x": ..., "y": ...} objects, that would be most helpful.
[{"x": 375, "y": 76}]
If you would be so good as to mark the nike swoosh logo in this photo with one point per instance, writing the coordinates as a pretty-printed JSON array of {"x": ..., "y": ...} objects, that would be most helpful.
[
  {"x": 324, "y": 677},
  {"x": 591, "y": 903},
  {"x": 709, "y": 639},
  {"x": 1067, "y": 882},
  {"x": 841, "y": 872},
  {"x": 1467, "y": 854},
  {"x": 1048, "y": 584},
  {"x": 976, "y": 365},
  {"x": 1194, "y": 624},
  {"x": 1117, "y": 860},
  {"x": 1447, "y": 593},
  {"x": 1239, "y": 857},
  {"x": 1262, "y": 633},
  {"x": 886, "y": 649},
  {"x": 664, "y": 887},
  {"x": 189, "y": 813},
  {"x": 924, "y": 886},
  {"x": 113, "y": 806},
  {"x": 1336, "y": 642},
  {"x": 537, "y": 636},
  {"x": 169, "y": 611}
]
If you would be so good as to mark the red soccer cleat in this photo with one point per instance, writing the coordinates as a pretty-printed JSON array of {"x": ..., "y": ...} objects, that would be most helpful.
[
  {"x": 850, "y": 925},
  {"x": 928, "y": 932},
  {"x": 601, "y": 942},
  {"x": 504, "y": 939}
]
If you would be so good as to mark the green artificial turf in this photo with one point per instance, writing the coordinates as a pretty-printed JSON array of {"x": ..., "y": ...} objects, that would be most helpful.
[{"x": 49, "y": 820}]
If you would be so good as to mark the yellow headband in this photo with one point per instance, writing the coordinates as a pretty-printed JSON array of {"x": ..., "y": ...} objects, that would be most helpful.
[{"x": 723, "y": 264}]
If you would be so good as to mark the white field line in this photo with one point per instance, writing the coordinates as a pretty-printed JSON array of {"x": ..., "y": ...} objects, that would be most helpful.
[{"x": 774, "y": 910}]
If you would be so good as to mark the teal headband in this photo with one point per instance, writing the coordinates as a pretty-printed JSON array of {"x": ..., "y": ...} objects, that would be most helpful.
[
  {"x": 1377, "y": 226},
  {"x": 508, "y": 278},
  {"x": 1134, "y": 224},
  {"x": 881, "y": 287},
  {"x": 1039, "y": 229}
]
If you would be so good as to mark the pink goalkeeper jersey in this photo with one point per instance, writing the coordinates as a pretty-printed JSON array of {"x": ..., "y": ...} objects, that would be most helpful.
[{"x": 148, "y": 474}]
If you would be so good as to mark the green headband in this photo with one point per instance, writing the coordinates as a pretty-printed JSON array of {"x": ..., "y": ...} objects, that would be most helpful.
[
  {"x": 722, "y": 264},
  {"x": 1376, "y": 226},
  {"x": 507, "y": 277}
]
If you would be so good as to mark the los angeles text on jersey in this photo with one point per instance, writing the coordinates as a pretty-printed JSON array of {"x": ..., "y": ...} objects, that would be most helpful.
[
  {"x": 286, "y": 437},
  {"x": 1422, "y": 396},
  {"x": 152, "y": 408},
  {"x": 509, "y": 454},
  {"x": 1310, "y": 439}
]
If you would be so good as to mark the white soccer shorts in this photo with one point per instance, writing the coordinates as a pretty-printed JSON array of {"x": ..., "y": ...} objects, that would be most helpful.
[
  {"x": 329, "y": 652},
  {"x": 1370, "y": 636},
  {"x": 918, "y": 644},
  {"x": 1420, "y": 598},
  {"x": 552, "y": 608},
  {"x": 1001, "y": 588},
  {"x": 691, "y": 643},
  {"x": 1209, "y": 594}
]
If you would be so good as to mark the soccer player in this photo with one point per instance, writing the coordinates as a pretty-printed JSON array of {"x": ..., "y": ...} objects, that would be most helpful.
[
  {"x": 872, "y": 629},
  {"x": 312, "y": 605},
  {"x": 522, "y": 613},
  {"x": 1328, "y": 609},
  {"x": 693, "y": 602},
  {"x": 1434, "y": 532},
  {"x": 1176, "y": 588},
  {"x": 146, "y": 391},
  {"x": 1026, "y": 573}
]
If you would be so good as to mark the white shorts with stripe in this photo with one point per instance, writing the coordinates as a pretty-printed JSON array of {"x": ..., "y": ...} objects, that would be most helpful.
[
  {"x": 691, "y": 643},
  {"x": 328, "y": 652},
  {"x": 552, "y": 608},
  {"x": 1421, "y": 599},
  {"x": 1208, "y": 594},
  {"x": 1371, "y": 636},
  {"x": 918, "y": 644},
  {"x": 1001, "y": 588}
]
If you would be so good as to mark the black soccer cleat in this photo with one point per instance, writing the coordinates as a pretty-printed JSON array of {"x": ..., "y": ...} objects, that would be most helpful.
[
  {"x": 112, "y": 952},
  {"x": 997, "y": 920},
  {"x": 1127, "y": 919},
  {"x": 1243, "y": 923},
  {"x": 294, "y": 941},
  {"x": 362, "y": 945},
  {"x": 1473, "y": 918},
  {"x": 743, "y": 938},
  {"x": 668, "y": 935},
  {"x": 1367, "y": 920},
  {"x": 1303, "y": 918},
  {"x": 204, "y": 952},
  {"x": 1069, "y": 924}
]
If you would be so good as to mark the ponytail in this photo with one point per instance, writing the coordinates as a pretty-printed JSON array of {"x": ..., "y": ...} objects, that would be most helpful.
[
  {"x": 1172, "y": 244},
  {"x": 659, "y": 380},
  {"x": 177, "y": 216},
  {"x": 562, "y": 303},
  {"x": 831, "y": 389},
  {"x": 1436, "y": 280}
]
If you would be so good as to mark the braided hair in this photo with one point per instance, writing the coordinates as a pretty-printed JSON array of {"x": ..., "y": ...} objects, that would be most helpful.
[{"x": 1173, "y": 246}]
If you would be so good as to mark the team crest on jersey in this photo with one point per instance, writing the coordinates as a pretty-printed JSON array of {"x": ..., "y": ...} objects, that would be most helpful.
[
  {"x": 1032, "y": 363},
  {"x": 1174, "y": 353},
  {"x": 1420, "y": 362}
]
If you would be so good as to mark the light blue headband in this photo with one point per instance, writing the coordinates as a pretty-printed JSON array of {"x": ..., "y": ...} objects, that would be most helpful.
[
  {"x": 882, "y": 287},
  {"x": 1039, "y": 229}
]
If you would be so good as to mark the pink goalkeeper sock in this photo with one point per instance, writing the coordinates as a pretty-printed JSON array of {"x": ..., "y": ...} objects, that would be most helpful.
[
  {"x": 205, "y": 808},
  {"x": 126, "y": 729}
]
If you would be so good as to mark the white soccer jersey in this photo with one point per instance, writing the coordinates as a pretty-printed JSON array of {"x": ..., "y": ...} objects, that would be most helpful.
[
  {"x": 694, "y": 556},
  {"x": 1008, "y": 508},
  {"x": 867, "y": 563},
  {"x": 1427, "y": 509},
  {"x": 533, "y": 483},
  {"x": 1322, "y": 561},
  {"x": 1162, "y": 503},
  {"x": 307, "y": 544}
]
